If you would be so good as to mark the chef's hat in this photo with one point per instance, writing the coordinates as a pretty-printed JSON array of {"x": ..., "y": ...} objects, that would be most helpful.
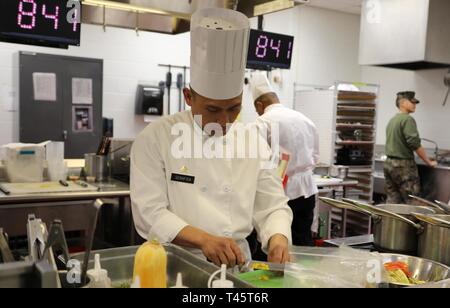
[
  {"x": 219, "y": 47},
  {"x": 260, "y": 85}
]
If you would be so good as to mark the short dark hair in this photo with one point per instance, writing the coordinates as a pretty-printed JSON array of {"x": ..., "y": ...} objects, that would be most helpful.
[{"x": 267, "y": 98}]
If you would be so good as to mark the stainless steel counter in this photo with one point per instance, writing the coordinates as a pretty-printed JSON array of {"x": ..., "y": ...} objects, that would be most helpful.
[
  {"x": 113, "y": 189},
  {"x": 435, "y": 181},
  {"x": 115, "y": 223},
  {"x": 421, "y": 163}
]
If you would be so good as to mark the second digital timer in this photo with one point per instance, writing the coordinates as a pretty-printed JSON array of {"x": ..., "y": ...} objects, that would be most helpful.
[{"x": 269, "y": 50}]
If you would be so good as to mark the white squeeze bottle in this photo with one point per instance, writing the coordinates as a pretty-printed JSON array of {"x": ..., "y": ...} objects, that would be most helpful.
[
  {"x": 136, "y": 283},
  {"x": 99, "y": 277},
  {"x": 222, "y": 283},
  {"x": 179, "y": 283}
]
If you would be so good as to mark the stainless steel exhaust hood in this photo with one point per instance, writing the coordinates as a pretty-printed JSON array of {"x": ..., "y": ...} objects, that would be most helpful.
[
  {"x": 165, "y": 16},
  {"x": 405, "y": 34}
]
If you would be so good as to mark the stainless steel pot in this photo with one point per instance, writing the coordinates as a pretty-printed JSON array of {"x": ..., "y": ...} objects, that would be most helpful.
[
  {"x": 438, "y": 206},
  {"x": 397, "y": 235},
  {"x": 434, "y": 242},
  {"x": 340, "y": 172},
  {"x": 395, "y": 228}
]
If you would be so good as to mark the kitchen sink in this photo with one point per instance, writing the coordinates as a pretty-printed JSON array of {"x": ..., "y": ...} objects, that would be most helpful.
[{"x": 119, "y": 262}]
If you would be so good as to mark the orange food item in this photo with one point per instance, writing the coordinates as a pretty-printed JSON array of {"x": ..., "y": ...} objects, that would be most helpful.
[{"x": 392, "y": 266}]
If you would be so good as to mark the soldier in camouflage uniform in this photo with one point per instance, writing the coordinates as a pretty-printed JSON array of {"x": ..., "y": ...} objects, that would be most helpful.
[
  {"x": 402, "y": 180},
  {"x": 400, "y": 169}
]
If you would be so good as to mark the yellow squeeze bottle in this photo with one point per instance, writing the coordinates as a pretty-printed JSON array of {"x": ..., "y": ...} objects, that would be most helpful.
[{"x": 150, "y": 265}]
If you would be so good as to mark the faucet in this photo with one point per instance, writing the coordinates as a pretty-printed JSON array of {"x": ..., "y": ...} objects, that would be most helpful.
[{"x": 436, "y": 149}]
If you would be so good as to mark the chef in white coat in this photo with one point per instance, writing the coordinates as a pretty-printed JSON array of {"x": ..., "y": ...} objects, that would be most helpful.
[
  {"x": 209, "y": 204},
  {"x": 298, "y": 137}
]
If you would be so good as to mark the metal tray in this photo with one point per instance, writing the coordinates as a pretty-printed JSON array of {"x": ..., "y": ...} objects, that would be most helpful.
[{"x": 120, "y": 263}]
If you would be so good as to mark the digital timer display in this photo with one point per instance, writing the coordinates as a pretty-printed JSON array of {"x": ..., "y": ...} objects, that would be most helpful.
[
  {"x": 54, "y": 23},
  {"x": 269, "y": 50}
]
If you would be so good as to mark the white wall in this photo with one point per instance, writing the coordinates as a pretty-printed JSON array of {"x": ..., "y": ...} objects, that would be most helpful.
[
  {"x": 325, "y": 50},
  {"x": 432, "y": 118},
  {"x": 326, "y": 44}
]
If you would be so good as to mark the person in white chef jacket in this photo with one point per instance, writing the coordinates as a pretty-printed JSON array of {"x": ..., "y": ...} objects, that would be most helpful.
[
  {"x": 209, "y": 204},
  {"x": 298, "y": 137}
]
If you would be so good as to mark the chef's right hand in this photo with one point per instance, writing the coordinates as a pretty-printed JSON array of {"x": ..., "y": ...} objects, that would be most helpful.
[
  {"x": 222, "y": 250},
  {"x": 433, "y": 163}
]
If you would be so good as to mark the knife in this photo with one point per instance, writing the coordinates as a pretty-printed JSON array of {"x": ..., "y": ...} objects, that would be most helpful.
[
  {"x": 259, "y": 265},
  {"x": 83, "y": 184},
  {"x": 4, "y": 190}
]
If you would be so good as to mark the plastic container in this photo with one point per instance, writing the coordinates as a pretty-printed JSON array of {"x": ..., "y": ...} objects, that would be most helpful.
[
  {"x": 136, "y": 283},
  {"x": 98, "y": 277},
  {"x": 222, "y": 283},
  {"x": 150, "y": 264},
  {"x": 25, "y": 164},
  {"x": 57, "y": 170},
  {"x": 340, "y": 172},
  {"x": 297, "y": 276},
  {"x": 342, "y": 267},
  {"x": 179, "y": 283}
]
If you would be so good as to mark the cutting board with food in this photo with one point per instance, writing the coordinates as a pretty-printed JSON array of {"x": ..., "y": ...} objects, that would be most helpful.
[
  {"x": 264, "y": 279},
  {"x": 46, "y": 187}
]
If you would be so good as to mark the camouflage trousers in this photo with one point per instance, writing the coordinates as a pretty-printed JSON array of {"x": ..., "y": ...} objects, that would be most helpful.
[{"x": 402, "y": 180}]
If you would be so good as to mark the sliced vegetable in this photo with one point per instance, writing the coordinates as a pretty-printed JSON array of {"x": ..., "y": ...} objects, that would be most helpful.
[
  {"x": 393, "y": 266},
  {"x": 398, "y": 276},
  {"x": 399, "y": 273}
]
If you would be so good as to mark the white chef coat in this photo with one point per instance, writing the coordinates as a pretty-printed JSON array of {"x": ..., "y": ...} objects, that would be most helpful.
[
  {"x": 228, "y": 198},
  {"x": 300, "y": 139}
]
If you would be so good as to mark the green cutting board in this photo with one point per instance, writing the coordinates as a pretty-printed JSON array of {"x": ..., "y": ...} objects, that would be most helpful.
[{"x": 263, "y": 279}]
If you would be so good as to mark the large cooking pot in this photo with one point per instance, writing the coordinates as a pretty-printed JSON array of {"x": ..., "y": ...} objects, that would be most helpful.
[
  {"x": 438, "y": 206},
  {"x": 434, "y": 241},
  {"x": 395, "y": 228},
  {"x": 399, "y": 235}
]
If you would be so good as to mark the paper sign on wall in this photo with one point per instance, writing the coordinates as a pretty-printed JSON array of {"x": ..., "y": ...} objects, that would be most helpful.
[
  {"x": 82, "y": 91},
  {"x": 44, "y": 87}
]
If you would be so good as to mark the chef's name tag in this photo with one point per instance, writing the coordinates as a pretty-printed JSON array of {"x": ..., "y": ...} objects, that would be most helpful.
[{"x": 182, "y": 178}]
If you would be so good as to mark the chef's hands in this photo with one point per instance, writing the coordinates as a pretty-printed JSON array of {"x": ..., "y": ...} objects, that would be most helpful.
[
  {"x": 278, "y": 249},
  {"x": 222, "y": 250},
  {"x": 219, "y": 250},
  {"x": 432, "y": 163}
]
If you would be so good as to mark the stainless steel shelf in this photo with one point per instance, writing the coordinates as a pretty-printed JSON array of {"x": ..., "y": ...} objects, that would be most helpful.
[
  {"x": 356, "y": 108},
  {"x": 355, "y": 118},
  {"x": 355, "y": 143},
  {"x": 355, "y": 126}
]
